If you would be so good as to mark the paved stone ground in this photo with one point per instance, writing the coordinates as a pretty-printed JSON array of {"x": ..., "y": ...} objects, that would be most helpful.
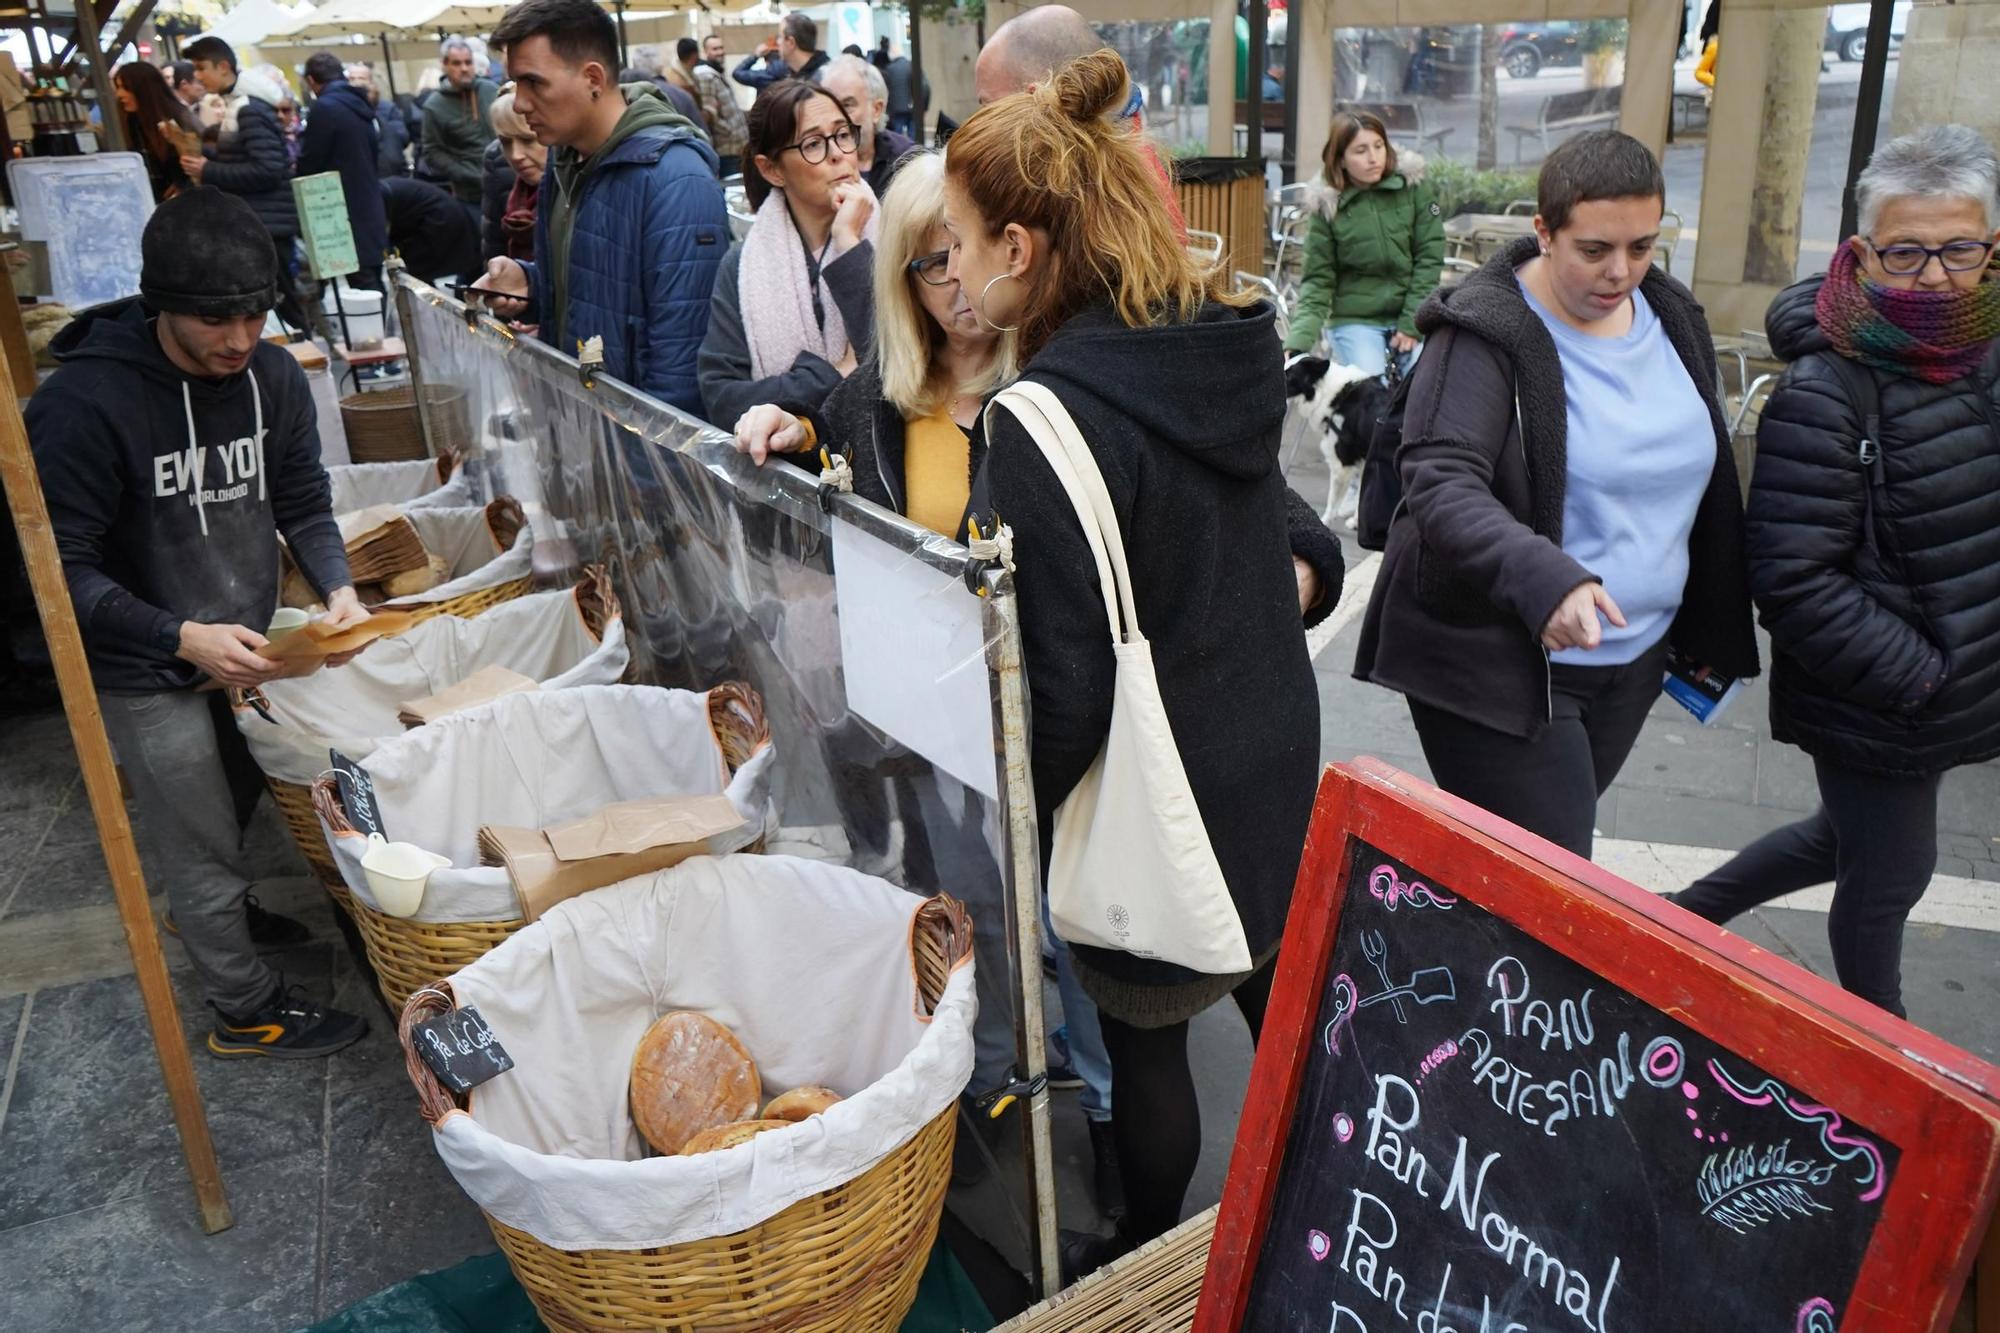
[{"x": 336, "y": 1188}]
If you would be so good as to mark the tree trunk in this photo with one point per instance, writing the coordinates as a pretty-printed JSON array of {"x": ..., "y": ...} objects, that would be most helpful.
[
  {"x": 1791, "y": 96},
  {"x": 1489, "y": 97}
]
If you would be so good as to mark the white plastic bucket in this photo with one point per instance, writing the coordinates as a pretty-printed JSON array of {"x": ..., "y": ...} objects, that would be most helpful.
[{"x": 363, "y": 309}]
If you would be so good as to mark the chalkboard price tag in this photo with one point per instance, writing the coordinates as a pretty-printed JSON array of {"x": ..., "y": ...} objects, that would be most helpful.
[
  {"x": 357, "y": 794},
  {"x": 461, "y": 1050},
  {"x": 329, "y": 235},
  {"x": 1497, "y": 1093}
]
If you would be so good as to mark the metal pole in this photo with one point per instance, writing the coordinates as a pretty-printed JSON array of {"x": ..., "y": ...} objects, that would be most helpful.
[
  {"x": 405, "y": 309},
  {"x": 1024, "y": 938},
  {"x": 1260, "y": 27},
  {"x": 1867, "y": 110},
  {"x": 917, "y": 72},
  {"x": 111, "y": 117},
  {"x": 388, "y": 66},
  {"x": 624, "y": 60},
  {"x": 1293, "y": 92}
]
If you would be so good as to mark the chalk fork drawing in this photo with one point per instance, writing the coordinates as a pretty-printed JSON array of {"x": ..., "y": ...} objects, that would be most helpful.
[
  {"x": 1378, "y": 953},
  {"x": 1392, "y": 892},
  {"x": 1863, "y": 1155}
]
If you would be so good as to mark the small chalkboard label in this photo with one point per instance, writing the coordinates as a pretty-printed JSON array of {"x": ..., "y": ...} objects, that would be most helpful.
[
  {"x": 357, "y": 794},
  {"x": 461, "y": 1050}
]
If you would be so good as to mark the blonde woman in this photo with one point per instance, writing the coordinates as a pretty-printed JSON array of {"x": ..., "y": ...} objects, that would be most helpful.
[
  {"x": 512, "y": 182},
  {"x": 906, "y": 416}
]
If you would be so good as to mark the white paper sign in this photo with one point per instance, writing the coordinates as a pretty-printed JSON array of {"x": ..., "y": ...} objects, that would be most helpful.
[{"x": 913, "y": 652}]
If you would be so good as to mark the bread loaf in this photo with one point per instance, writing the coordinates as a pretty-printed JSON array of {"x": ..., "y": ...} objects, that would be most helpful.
[
  {"x": 431, "y": 574},
  {"x": 690, "y": 1074},
  {"x": 800, "y": 1103},
  {"x": 728, "y": 1136}
]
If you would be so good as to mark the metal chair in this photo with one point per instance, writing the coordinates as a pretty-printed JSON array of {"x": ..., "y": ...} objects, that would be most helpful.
[
  {"x": 1205, "y": 245},
  {"x": 1671, "y": 227}
]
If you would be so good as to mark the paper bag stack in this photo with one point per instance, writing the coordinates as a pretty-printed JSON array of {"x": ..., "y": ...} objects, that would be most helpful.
[
  {"x": 482, "y": 686},
  {"x": 618, "y": 842}
]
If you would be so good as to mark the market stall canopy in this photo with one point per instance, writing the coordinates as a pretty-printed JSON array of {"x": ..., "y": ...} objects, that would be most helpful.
[{"x": 253, "y": 20}]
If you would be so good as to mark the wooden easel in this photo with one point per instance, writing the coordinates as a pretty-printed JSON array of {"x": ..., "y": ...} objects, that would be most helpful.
[{"x": 100, "y": 780}]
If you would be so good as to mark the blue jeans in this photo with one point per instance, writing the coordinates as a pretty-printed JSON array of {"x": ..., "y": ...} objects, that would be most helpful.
[
  {"x": 1086, "y": 1039},
  {"x": 1365, "y": 347}
]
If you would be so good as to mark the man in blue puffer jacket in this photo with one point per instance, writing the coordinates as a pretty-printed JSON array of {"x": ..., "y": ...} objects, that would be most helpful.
[{"x": 631, "y": 224}]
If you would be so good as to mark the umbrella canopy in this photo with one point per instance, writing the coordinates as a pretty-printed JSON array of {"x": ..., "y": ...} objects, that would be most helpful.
[{"x": 251, "y": 22}]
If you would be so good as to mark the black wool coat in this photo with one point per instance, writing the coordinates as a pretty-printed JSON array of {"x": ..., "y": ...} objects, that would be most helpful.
[
  {"x": 1877, "y": 572},
  {"x": 1474, "y": 565},
  {"x": 341, "y": 135}
]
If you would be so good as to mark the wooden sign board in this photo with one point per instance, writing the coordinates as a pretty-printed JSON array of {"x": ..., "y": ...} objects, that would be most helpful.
[
  {"x": 1502, "y": 1091},
  {"x": 323, "y": 223}
]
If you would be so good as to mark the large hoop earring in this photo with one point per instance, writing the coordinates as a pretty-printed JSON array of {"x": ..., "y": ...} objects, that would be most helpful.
[{"x": 979, "y": 308}]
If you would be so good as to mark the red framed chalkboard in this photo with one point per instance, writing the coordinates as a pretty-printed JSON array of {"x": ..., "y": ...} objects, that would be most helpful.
[{"x": 1500, "y": 1090}]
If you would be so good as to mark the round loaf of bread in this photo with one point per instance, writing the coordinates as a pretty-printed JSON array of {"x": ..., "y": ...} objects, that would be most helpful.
[
  {"x": 690, "y": 1074},
  {"x": 728, "y": 1136},
  {"x": 800, "y": 1103}
]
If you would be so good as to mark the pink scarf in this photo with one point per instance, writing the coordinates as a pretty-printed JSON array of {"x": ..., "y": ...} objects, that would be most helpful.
[{"x": 774, "y": 293}]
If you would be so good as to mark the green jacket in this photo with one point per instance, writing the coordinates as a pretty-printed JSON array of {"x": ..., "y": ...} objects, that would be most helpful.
[
  {"x": 1373, "y": 263},
  {"x": 455, "y": 138}
]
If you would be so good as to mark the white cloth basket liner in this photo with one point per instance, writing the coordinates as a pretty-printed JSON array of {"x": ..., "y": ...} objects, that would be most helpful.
[
  {"x": 532, "y": 760},
  {"x": 353, "y": 708},
  {"x": 807, "y": 963},
  {"x": 465, "y": 540},
  {"x": 410, "y": 482}
]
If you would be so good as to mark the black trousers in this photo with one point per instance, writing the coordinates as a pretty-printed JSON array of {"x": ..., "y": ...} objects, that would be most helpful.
[
  {"x": 1876, "y": 838},
  {"x": 1548, "y": 785}
]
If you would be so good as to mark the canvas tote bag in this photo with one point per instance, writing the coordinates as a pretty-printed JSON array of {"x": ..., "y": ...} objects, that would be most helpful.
[{"x": 1131, "y": 867}]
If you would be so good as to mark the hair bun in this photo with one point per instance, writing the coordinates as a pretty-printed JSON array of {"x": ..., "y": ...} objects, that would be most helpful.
[{"x": 1093, "y": 86}]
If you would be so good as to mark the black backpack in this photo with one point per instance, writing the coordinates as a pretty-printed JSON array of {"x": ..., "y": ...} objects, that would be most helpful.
[{"x": 1381, "y": 484}]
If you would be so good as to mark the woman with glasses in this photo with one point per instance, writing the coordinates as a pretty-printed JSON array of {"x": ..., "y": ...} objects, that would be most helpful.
[
  {"x": 793, "y": 308},
  {"x": 1875, "y": 547}
]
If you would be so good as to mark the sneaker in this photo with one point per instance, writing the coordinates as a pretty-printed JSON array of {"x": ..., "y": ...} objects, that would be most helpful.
[
  {"x": 1106, "y": 1180},
  {"x": 288, "y": 1027},
  {"x": 268, "y": 930},
  {"x": 1062, "y": 1070}
]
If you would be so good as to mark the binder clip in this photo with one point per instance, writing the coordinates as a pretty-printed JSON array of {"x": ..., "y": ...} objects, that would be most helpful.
[{"x": 589, "y": 360}]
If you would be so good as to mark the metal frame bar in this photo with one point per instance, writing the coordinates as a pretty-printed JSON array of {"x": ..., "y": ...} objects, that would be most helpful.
[{"x": 798, "y": 495}]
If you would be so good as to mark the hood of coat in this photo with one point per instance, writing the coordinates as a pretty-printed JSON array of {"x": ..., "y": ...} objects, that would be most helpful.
[
  {"x": 1323, "y": 199},
  {"x": 250, "y": 87},
  {"x": 342, "y": 93},
  {"x": 1169, "y": 380},
  {"x": 1792, "y": 322}
]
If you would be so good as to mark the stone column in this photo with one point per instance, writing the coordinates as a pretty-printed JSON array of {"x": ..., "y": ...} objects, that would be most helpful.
[{"x": 1949, "y": 55}]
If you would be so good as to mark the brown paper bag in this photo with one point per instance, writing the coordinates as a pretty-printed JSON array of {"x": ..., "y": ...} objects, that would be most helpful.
[
  {"x": 604, "y": 848},
  {"x": 314, "y": 643},
  {"x": 482, "y": 686}
]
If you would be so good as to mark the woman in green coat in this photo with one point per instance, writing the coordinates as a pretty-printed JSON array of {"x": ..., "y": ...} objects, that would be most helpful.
[{"x": 1373, "y": 251}]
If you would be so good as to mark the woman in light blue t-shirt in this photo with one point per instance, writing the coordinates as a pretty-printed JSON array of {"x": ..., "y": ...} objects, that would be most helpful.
[{"x": 1571, "y": 506}]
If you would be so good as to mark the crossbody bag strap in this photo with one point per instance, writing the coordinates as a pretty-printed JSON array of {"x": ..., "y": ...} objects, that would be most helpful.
[
  {"x": 1043, "y": 432},
  {"x": 1090, "y": 480}
]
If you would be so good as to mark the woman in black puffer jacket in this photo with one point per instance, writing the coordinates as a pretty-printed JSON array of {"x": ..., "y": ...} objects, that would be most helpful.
[{"x": 1875, "y": 547}]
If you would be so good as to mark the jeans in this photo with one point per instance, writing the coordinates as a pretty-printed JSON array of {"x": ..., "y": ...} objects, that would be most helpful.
[
  {"x": 1365, "y": 347},
  {"x": 1086, "y": 1036},
  {"x": 1550, "y": 785},
  {"x": 905, "y": 123},
  {"x": 1876, "y": 839},
  {"x": 194, "y": 786}
]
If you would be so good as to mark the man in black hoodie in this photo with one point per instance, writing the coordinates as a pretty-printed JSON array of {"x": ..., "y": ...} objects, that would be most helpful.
[
  {"x": 174, "y": 447},
  {"x": 341, "y": 136}
]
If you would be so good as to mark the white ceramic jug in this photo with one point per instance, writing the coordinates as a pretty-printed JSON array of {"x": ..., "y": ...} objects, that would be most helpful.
[{"x": 397, "y": 873}]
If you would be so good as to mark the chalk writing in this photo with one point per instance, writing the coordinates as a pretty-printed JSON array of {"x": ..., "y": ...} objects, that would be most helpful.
[
  {"x": 1865, "y": 1156},
  {"x": 1816, "y": 1316},
  {"x": 1569, "y": 1023},
  {"x": 1391, "y": 892}
]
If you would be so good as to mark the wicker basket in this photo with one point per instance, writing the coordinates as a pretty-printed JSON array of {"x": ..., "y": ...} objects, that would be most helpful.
[
  {"x": 505, "y": 518},
  {"x": 408, "y": 953},
  {"x": 1154, "y": 1289},
  {"x": 383, "y": 427},
  {"x": 846, "y": 1260}
]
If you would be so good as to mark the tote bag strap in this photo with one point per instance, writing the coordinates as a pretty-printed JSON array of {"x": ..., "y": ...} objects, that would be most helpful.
[{"x": 1054, "y": 431}]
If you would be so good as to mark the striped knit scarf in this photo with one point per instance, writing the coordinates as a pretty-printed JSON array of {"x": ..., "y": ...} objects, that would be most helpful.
[{"x": 1935, "y": 336}]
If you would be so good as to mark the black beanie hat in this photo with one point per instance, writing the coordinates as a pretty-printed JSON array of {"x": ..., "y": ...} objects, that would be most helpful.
[{"x": 205, "y": 253}]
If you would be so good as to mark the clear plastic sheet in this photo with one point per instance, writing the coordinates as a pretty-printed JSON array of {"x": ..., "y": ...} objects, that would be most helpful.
[{"x": 724, "y": 572}]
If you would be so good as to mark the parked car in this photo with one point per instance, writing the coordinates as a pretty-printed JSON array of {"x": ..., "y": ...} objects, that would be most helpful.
[
  {"x": 1847, "y": 28},
  {"x": 1526, "y": 47}
]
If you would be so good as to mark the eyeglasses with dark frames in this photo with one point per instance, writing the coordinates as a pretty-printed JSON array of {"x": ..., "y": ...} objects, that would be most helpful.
[
  {"x": 932, "y": 268},
  {"x": 1954, "y": 257},
  {"x": 814, "y": 147}
]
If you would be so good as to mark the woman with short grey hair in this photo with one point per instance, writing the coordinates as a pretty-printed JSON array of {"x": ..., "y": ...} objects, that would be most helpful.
[{"x": 1874, "y": 543}]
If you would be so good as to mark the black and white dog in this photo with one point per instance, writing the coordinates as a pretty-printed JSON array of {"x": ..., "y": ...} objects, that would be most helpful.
[{"x": 1341, "y": 405}]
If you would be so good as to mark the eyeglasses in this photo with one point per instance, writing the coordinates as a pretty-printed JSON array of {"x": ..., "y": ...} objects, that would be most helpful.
[
  {"x": 813, "y": 148},
  {"x": 1956, "y": 257},
  {"x": 933, "y": 269}
]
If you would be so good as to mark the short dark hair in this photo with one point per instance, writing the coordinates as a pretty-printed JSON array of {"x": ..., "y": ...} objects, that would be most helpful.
[
  {"x": 324, "y": 67},
  {"x": 579, "y": 31},
  {"x": 685, "y": 47},
  {"x": 212, "y": 49},
  {"x": 180, "y": 72},
  {"x": 1603, "y": 164},
  {"x": 774, "y": 118},
  {"x": 802, "y": 30}
]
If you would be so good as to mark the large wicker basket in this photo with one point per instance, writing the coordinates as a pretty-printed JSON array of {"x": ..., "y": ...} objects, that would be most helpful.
[
  {"x": 505, "y": 517},
  {"x": 407, "y": 953},
  {"x": 383, "y": 427},
  {"x": 846, "y": 1260}
]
